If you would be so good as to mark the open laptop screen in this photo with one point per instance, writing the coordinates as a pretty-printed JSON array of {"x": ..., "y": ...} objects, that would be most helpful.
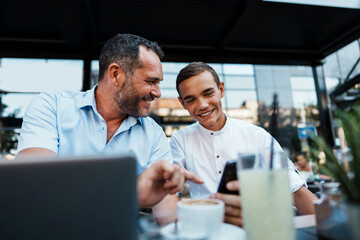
[{"x": 68, "y": 198}]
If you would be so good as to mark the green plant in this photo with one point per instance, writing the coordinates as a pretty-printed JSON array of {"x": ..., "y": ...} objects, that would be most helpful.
[{"x": 350, "y": 182}]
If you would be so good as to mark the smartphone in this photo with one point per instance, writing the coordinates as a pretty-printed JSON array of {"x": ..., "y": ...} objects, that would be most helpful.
[{"x": 229, "y": 174}]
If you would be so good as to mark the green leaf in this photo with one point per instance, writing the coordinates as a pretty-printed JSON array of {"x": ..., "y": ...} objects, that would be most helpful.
[
  {"x": 350, "y": 121},
  {"x": 332, "y": 165}
]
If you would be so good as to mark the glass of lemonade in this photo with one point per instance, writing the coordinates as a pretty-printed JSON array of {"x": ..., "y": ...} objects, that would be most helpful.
[{"x": 266, "y": 197}]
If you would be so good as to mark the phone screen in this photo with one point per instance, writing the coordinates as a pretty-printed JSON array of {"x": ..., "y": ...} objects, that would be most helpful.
[{"x": 229, "y": 174}]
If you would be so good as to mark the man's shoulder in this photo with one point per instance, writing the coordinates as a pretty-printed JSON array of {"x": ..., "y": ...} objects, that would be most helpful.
[
  {"x": 147, "y": 122},
  {"x": 243, "y": 126},
  {"x": 70, "y": 94},
  {"x": 54, "y": 101},
  {"x": 59, "y": 94},
  {"x": 44, "y": 100}
]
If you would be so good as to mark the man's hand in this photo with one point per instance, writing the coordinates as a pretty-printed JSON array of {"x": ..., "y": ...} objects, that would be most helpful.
[
  {"x": 160, "y": 179},
  {"x": 233, "y": 214}
]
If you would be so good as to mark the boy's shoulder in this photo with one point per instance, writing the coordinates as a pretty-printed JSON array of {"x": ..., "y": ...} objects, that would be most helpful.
[
  {"x": 242, "y": 123},
  {"x": 187, "y": 130}
]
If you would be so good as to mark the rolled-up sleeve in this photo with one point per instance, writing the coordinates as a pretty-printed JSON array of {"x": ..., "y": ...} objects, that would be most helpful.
[
  {"x": 39, "y": 127},
  {"x": 160, "y": 146},
  {"x": 295, "y": 178}
]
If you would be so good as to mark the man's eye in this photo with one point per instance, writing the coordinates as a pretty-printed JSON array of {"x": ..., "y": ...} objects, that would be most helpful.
[
  {"x": 154, "y": 82},
  {"x": 189, "y": 101},
  {"x": 209, "y": 94}
]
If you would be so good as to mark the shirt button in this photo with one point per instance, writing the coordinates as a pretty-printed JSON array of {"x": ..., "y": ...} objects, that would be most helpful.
[
  {"x": 219, "y": 172},
  {"x": 217, "y": 156},
  {"x": 212, "y": 133}
]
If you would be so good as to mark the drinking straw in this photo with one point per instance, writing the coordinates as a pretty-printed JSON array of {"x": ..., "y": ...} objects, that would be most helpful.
[
  {"x": 272, "y": 153},
  {"x": 176, "y": 231},
  {"x": 273, "y": 130}
]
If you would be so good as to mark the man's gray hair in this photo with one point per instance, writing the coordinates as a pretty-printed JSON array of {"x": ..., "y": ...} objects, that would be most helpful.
[{"x": 123, "y": 49}]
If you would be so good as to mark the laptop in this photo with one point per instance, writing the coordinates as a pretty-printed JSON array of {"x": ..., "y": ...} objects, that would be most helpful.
[{"x": 68, "y": 198}]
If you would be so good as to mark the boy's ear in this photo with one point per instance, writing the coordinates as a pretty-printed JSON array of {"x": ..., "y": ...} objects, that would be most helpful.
[{"x": 222, "y": 89}]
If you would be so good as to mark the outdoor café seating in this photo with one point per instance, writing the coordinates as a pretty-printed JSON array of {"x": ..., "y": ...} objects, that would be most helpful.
[{"x": 306, "y": 53}]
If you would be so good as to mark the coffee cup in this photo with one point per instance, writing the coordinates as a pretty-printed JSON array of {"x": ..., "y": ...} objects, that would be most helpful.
[{"x": 200, "y": 218}]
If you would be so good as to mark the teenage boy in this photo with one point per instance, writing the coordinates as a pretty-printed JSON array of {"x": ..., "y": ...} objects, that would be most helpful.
[{"x": 205, "y": 146}]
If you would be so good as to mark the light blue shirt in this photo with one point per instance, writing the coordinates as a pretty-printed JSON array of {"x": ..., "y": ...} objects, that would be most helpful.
[{"x": 69, "y": 124}]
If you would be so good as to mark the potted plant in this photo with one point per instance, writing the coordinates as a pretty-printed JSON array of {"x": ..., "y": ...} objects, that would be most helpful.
[{"x": 349, "y": 179}]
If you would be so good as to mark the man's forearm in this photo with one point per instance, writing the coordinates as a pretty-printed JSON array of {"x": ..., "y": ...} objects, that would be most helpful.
[
  {"x": 35, "y": 152},
  {"x": 165, "y": 211}
]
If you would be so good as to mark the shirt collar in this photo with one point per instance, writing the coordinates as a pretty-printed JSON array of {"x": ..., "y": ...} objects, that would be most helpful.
[
  {"x": 87, "y": 99},
  {"x": 139, "y": 120},
  {"x": 210, "y": 132}
]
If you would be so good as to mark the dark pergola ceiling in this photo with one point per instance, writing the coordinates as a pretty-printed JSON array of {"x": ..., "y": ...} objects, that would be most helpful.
[{"x": 236, "y": 31}]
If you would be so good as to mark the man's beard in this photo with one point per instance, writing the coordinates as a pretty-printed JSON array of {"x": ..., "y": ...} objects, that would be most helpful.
[{"x": 128, "y": 100}]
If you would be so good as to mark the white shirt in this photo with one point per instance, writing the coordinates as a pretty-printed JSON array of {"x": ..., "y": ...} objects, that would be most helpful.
[{"x": 206, "y": 152}]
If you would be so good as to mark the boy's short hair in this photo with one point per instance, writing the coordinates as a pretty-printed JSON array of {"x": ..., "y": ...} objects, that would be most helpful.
[{"x": 193, "y": 69}]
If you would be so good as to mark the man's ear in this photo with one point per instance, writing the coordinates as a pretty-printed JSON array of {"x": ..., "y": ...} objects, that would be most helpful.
[
  {"x": 222, "y": 89},
  {"x": 116, "y": 74},
  {"x": 182, "y": 102}
]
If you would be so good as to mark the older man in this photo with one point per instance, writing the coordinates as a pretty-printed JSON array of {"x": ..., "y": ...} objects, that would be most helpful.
[{"x": 111, "y": 118}]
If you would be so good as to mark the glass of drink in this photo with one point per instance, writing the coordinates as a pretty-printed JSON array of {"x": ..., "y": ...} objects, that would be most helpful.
[{"x": 266, "y": 197}]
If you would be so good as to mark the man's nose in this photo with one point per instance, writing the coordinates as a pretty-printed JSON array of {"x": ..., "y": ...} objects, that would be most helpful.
[{"x": 155, "y": 92}]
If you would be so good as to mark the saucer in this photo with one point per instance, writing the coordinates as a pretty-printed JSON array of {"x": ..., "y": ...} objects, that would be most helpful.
[{"x": 227, "y": 232}]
